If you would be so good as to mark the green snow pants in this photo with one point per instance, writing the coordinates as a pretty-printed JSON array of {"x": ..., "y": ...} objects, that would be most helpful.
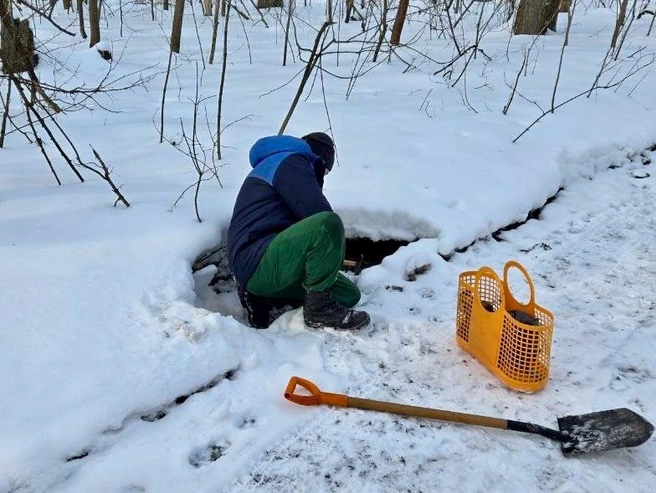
[{"x": 306, "y": 256}]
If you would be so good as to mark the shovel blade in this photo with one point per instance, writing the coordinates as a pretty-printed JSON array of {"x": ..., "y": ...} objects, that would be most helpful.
[{"x": 603, "y": 430}]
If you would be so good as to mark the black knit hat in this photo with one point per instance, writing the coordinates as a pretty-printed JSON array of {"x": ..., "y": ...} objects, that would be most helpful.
[{"x": 323, "y": 146}]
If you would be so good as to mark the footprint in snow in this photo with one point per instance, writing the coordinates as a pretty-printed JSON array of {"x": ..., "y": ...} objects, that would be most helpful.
[
  {"x": 210, "y": 453},
  {"x": 133, "y": 488},
  {"x": 413, "y": 310},
  {"x": 551, "y": 479},
  {"x": 637, "y": 375},
  {"x": 427, "y": 293},
  {"x": 247, "y": 422},
  {"x": 618, "y": 384}
]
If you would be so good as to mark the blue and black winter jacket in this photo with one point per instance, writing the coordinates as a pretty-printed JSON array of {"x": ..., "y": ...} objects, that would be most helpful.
[{"x": 284, "y": 187}]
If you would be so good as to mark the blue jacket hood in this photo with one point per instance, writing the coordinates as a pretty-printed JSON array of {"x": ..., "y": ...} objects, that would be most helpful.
[{"x": 268, "y": 146}]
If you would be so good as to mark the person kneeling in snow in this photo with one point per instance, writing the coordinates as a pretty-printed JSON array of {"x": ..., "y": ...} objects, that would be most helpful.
[{"x": 285, "y": 243}]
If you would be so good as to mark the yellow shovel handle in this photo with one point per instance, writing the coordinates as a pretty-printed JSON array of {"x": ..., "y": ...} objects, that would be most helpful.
[{"x": 316, "y": 397}]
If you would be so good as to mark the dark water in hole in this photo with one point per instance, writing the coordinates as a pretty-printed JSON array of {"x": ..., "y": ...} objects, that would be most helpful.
[
  {"x": 367, "y": 252},
  {"x": 362, "y": 252},
  {"x": 216, "y": 290}
]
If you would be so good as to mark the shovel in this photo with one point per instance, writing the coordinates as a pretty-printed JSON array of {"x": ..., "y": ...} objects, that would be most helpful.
[{"x": 577, "y": 434}]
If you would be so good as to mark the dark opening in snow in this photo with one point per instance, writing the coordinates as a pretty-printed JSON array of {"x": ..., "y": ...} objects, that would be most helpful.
[
  {"x": 216, "y": 289},
  {"x": 498, "y": 234},
  {"x": 365, "y": 252}
]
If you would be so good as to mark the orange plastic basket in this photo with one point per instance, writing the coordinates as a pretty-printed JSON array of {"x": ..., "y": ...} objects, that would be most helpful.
[{"x": 515, "y": 352}]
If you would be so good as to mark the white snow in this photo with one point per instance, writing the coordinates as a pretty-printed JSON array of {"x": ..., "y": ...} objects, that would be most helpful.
[{"x": 105, "y": 329}]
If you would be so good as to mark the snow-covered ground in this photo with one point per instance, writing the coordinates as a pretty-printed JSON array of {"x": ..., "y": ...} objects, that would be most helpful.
[{"x": 120, "y": 370}]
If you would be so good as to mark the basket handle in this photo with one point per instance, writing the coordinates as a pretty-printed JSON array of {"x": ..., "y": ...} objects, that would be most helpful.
[
  {"x": 488, "y": 272},
  {"x": 522, "y": 269}
]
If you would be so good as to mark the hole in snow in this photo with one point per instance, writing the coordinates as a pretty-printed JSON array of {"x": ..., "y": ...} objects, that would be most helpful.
[
  {"x": 216, "y": 290},
  {"x": 365, "y": 252}
]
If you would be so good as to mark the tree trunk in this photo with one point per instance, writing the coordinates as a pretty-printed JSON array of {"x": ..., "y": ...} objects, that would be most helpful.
[
  {"x": 5, "y": 115},
  {"x": 536, "y": 16},
  {"x": 16, "y": 42},
  {"x": 265, "y": 4},
  {"x": 207, "y": 8},
  {"x": 68, "y": 4},
  {"x": 349, "y": 9},
  {"x": 80, "y": 16},
  {"x": 94, "y": 23},
  {"x": 224, "y": 66},
  {"x": 5, "y": 14},
  {"x": 382, "y": 28},
  {"x": 176, "y": 32},
  {"x": 290, "y": 12},
  {"x": 397, "y": 27},
  {"x": 621, "y": 17},
  {"x": 215, "y": 30}
]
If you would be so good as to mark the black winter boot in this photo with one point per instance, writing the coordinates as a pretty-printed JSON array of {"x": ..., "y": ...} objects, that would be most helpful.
[
  {"x": 320, "y": 310},
  {"x": 263, "y": 311},
  {"x": 257, "y": 308}
]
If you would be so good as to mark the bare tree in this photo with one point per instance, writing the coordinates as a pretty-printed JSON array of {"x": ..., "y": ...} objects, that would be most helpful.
[
  {"x": 653, "y": 17},
  {"x": 222, "y": 83},
  {"x": 290, "y": 12},
  {"x": 215, "y": 30},
  {"x": 315, "y": 55},
  {"x": 347, "y": 15},
  {"x": 382, "y": 27},
  {"x": 195, "y": 152},
  {"x": 200, "y": 43},
  {"x": 397, "y": 27},
  {"x": 5, "y": 115},
  {"x": 176, "y": 30},
  {"x": 94, "y": 23},
  {"x": 570, "y": 16},
  {"x": 619, "y": 22},
  {"x": 516, "y": 84},
  {"x": 17, "y": 54},
  {"x": 16, "y": 42},
  {"x": 80, "y": 16},
  {"x": 40, "y": 102},
  {"x": 265, "y": 4},
  {"x": 618, "y": 77},
  {"x": 166, "y": 84},
  {"x": 535, "y": 16},
  {"x": 626, "y": 29}
]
